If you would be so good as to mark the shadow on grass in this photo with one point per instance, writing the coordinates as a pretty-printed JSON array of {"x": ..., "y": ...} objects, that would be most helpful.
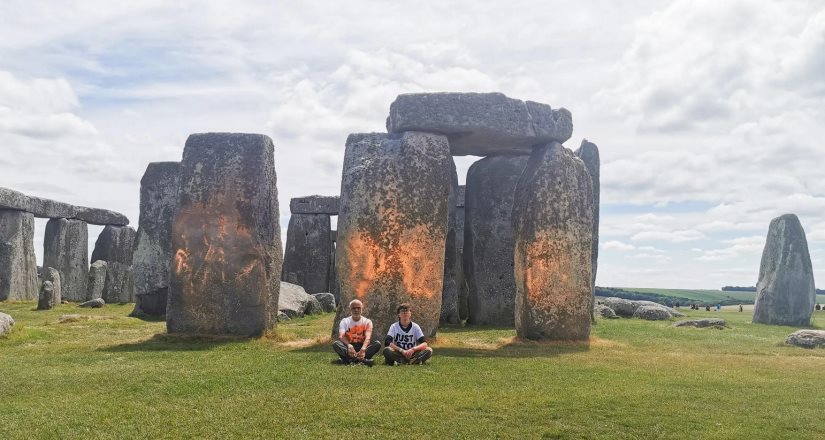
[{"x": 173, "y": 342}]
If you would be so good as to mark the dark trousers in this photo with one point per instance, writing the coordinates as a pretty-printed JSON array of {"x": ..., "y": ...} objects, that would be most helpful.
[
  {"x": 420, "y": 357},
  {"x": 341, "y": 349}
]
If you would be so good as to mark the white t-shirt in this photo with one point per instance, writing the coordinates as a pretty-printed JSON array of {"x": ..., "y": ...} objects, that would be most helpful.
[
  {"x": 356, "y": 331},
  {"x": 406, "y": 339}
]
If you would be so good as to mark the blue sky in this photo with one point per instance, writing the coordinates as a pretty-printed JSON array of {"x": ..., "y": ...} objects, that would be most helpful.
[{"x": 707, "y": 114}]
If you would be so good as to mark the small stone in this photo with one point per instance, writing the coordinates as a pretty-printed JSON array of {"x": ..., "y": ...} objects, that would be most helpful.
[
  {"x": 282, "y": 317},
  {"x": 807, "y": 338},
  {"x": 6, "y": 323},
  {"x": 96, "y": 280},
  {"x": 605, "y": 312},
  {"x": 46, "y": 300},
  {"x": 94, "y": 303},
  {"x": 53, "y": 275},
  {"x": 327, "y": 301},
  {"x": 293, "y": 300},
  {"x": 313, "y": 306},
  {"x": 651, "y": 313},
  {"x": 702, "y": 323}
]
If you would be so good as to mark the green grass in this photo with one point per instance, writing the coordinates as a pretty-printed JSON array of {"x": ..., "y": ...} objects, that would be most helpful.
[
  {"x": 706, "y": 296},
  {"x": 119, "y": 377}
]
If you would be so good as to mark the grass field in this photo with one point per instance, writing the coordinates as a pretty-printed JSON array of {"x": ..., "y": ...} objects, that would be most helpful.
[
  {"x": 111, "y": 376},
  {"x": 706, "y": 296}
]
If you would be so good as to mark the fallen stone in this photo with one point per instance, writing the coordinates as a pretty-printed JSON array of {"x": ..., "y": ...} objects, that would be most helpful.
[
  {"x": 605, "y": 312},
  {"x": 66, "y": 248},
  {"x": 18, "y": 267},
  {"x": 6, "y": 323},
  {"x": 588, "y": 152},
  {"x": 153, "y": 246},
  {"x": 552, "y": 223},
  {"x": 481, "y": 124},
  {"x": 293, "y": 300},
  {"x": 488, "y": 239},
  {"x": 226, "y": 238},
  {"x": 327, "y": 301},
  {"x": 627, "y": 308},
  {"x": 52, "y": 275},
  {"x": 807, "y": 338},
  {"x": 282, "y": 317},
  {"x": 449, "y": 290},
  {"x": 314, "y": 205},
  {"x": 97, "y": 279},
  {"x": 314, "y": 306},
  {"x": 785, "y": 293},
  {"x": 307, "y": 252},
  {"x": 94, "y": 303},
  {"x": 46, "y": 299},
  {"x": 701, "y": 323},
  {"x": 102, "y": 217},
  {"x": 651, "y": 313},
  {"x": 392, "y": 227}
]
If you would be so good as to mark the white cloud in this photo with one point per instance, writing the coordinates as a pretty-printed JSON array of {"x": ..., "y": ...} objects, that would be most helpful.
[
  {"x": 678, "y": 236},
  {"x": 617, "y": 246}
]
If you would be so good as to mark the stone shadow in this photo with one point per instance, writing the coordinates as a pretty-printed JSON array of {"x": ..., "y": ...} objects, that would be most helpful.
[{"x": 173, "y": 342}]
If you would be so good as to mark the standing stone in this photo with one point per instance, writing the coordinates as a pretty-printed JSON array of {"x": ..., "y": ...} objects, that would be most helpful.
[
  {"x": 588, "y": 152},
  {"x": 449, "y": 295},
  {"x": 553, "y": 222},
  {"x": 488, "y": 239},
  {"x": 785, "y": 293},
  {"x": 393, "y": 226},
  {"x": 66, "y": 248},
  {"x": 333, "y": 275},
  {"x": 97, "y": 280},
  {"x": 115, "y": 246},
  {"x": 46, "y": 301},
  {"x": 461, "y": 280},
  {"x": 226, "y": 238},
  {"x": 18, "y": 267},
  {"x": 308, "y": 250},
  {"x": 314, "y": 205},
  {"x": 153, "y": 244},
  {"x": 53, "y": 276}
]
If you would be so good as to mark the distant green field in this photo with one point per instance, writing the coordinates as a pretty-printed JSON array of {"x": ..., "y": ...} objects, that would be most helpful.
[{"x": 705, "y": 296}]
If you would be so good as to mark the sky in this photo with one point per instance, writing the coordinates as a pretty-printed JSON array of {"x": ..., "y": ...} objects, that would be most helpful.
[{"x": 708, "y": 114}]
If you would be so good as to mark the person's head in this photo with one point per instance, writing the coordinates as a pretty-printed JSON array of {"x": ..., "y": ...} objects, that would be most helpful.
[
  {"x": 355, "y": 308},
  {"x": 404, "y": 313}
]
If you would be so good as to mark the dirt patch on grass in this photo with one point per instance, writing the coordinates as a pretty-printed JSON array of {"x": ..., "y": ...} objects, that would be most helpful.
[{"x": 67, "y": 319}]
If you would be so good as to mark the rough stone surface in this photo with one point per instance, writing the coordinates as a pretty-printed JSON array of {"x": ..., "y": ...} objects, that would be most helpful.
[
  {"x": 392, "y": 227},
  {"x": 18, "y": 267},
  {"x": 294, "y": 300},
  {"x": 66, "y": 248},
  {"x": 53, "y": 275},
  {"x": 461, "y": 279},
  {"x": 627, "y": 308},
  {"x": 46, "y": 301},
  {"x": 604, "y": 311},
  {"x": 333, "y": 275},
  {"x": 552, "y": 222},
  {"x": 42, "y": 208},
  {"x": 314, "y": 205},
  {"x": 651, "y": 313},
  {"x": 588, "y": 152},
  {"x": 120, "y": 285},
  {"x": 308, "y": 251},
  {"x": 6, "y": 323},
  {"x": 97, "y": 279},
  {"x": 785, "y": 293},
  {"x": 282, "y": 317},
  {"x": 94, "y": 303},
  {"x": 488, "y": 239},
  {"x": 102, "y": 217},
  {"x": 807, "y": 338},
  {"x": 314, "y": 306},
  {"x": 449, "y": 293},
  {"x": 153, "y": 243},
  {"x": 326, "y": 300},
  {"x": 481, "y": 124},
  {"x": 702, "y": 323},
  {"x": 115, "y": 244},
  {"x": 226, "y": 238}
]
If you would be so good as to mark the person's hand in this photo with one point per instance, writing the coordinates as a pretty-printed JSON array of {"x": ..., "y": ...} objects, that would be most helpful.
[
  {"x": 362, "y": 354},
  {"x": 351, "y": 351},
  {"x": 408, "y": 353}
]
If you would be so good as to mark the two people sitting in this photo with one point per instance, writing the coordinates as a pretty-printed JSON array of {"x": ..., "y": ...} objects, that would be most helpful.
[{"x": 404, "y": 343}]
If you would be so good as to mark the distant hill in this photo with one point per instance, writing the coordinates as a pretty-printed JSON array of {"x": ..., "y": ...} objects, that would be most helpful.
[{"x": 684, "y": 296}]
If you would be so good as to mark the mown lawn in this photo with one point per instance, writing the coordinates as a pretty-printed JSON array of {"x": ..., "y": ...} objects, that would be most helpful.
[
  {"x": 119, "y": 377},
  {"x": 706, "y": 296}
]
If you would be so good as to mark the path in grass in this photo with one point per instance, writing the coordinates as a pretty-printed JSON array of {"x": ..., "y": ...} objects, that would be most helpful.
[{"x": 117, "y": 377}]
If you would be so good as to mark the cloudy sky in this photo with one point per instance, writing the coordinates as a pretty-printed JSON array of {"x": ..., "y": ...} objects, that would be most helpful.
[{"x": 708, "y": 114}]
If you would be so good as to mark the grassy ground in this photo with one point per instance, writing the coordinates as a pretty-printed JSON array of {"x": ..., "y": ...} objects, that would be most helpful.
[
  {"x": 706, "y": 296},
  {"x": 111, "y": 376}
]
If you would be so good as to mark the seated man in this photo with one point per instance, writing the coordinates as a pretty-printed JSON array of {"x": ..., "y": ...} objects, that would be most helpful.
[
  {"x": 354, "y": 344},
  {"x": 405, "y": 343}
]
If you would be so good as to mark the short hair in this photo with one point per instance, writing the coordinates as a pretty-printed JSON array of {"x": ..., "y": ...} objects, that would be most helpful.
[
  {"x": 355, "y": 301},
  {"x": 402, "y": 306}
]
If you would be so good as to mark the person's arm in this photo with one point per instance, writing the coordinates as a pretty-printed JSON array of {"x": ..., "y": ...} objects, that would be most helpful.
[
  {"x": 342, "y": 336},
  {"x": 422, "y": 345},
  {"x": 367, "y": 340}
]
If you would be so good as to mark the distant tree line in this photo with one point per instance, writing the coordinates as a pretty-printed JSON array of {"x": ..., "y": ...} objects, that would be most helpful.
[
  {"x": 753, "y": 289},
  {"x": 667, "y": 300}
]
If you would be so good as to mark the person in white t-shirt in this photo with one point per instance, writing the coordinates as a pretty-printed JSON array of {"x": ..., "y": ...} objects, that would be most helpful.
[
  {"x": 355, "y": 344},
  {"x": 405, "y": 343}
]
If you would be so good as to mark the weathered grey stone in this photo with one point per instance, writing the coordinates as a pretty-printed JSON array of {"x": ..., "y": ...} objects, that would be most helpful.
[
  {"x": 102, "y": 217},
  {"x": 120, "y": 284},
  {"x": 333, "y": 236},
  {"x": 18, "y": 267},
  {"x": 481, "y": 124},
  {"x": 43, "y": 208},
  {"x": 293, "y": 300},
  {"x": 308, "y": 250},
  {"x": 6, "y": 323},
  {"x": 97, "y": 279},
  {"x": 314, "y": 306},
  {"x": 327, "y": 301},
  {"x": 94, "y": 303},
  {"x": 461, "y": 279},
  {"x": 651, "y": 313},
  {"x": 11, "y": 199},
  {"x": 449, "y": 293},
  {"x": 226, "y": 238},
  {"x": 785, "y": 293},
  {"x": 282, "y": 317},
  {"x": 53, "y": 275},
  {"x": 702, "y": 323},
  {"x": 588, "y": 152},
  {"x": 66, "y": 248},
  {"x": 553, "y": 222},
  {"x": 115, "y": 244},
  {"x": 627, "y": 308},
  {"x": 807, "y": 338},
  {"x": 153, "y": 246},
  {"x": 333, "y": 275},
  {"x": 46, "y": 300},
  {"x": 393, "y": 226},
  {"x": 314, "y": 205},
  {"x": 488, "y": 239},
  {"x": 605, "y": 312}
]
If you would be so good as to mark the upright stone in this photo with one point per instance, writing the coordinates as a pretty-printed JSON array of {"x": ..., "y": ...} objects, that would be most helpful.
[
  {"x": 153, "y": 246},
  {"x": 96, "y": 282},
  {"x": 226, "y": 238},
  {"x": 449, "y": 295},
  {"x": 66, "y": 248},
  {"x": 115, "y": 246},
  {"x": 308, "y": 250},
  {"x": 392, "y": 226},
  {"x": 53, "y": 276},
  {"x": 588, "y": 152},
  {"x": 488, "y": 239},
  {"x": 46, "y": 301},
  {"x": 785, "y": 293},
  {"x": 552, "y": 223},
  {"x": 461, "y": 279},
  {"x": 18, "y": 267},
  {"x": 333, "y": 275}
]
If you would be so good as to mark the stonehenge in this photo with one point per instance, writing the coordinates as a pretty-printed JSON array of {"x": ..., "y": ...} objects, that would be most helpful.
[
  {"x": 18, "y": 268},
  {"x": 785, "y": 293},
  {"x": 226, "y": 238},
  {"x": 51, "y": 209},
  {"x": 115, "y": 246},
  {"x": 309, "y": 246},
  {"x": 65, "y": 248}
]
